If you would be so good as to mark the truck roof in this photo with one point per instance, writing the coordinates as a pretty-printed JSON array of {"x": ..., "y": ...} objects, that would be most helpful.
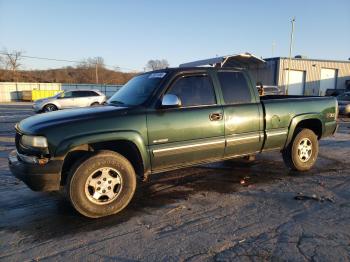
[{"x": 192, "y": 68}]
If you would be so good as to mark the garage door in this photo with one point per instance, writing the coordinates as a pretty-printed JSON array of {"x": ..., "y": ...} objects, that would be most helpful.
[
  {"x": 328, "y": 80},
  {"x": 296, "y": 82}
]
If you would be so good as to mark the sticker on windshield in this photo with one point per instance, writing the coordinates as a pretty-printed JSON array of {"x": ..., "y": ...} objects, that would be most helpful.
[{"x": 157, "y": 75}]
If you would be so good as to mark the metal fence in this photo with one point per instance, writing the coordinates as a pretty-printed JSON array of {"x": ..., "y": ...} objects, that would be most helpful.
[{"x": 12, "y": 91}]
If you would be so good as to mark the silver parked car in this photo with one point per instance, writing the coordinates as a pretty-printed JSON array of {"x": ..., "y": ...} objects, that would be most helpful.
[
  {"x": 344, "y": 104},
  {"x": 69, "y": 99}
]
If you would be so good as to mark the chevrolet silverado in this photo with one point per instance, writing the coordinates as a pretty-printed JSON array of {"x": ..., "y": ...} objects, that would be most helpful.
[{"x": 159, "y": 121}]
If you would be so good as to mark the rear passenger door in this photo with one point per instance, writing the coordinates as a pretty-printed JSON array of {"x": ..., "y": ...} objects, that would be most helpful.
[
  {"x": 242, "y": 114},
  {"x": 192, "y": 133},
  {"x": 82, "y": 98},
  {"x": 90, "y": 97}
]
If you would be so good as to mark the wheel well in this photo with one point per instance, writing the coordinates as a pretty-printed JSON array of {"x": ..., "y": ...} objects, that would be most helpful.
[
  {"x": 126, "y": 148},
  {"x": 52, "y": 104},
  {"x": 313, "y": 124}
]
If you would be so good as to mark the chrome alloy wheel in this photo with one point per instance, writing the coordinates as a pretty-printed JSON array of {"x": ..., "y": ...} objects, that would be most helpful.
[
  {"x": 305, "y": 149},
  {"x": 103, "y": 185},
  {"x": 49, "y": 108}
]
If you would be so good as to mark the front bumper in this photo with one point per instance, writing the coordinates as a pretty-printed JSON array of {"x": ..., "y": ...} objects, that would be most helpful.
[{"x": 37, "y": 177}]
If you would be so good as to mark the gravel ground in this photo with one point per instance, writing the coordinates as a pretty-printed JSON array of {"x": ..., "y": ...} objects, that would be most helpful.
[{"x": 195, "y": 214}]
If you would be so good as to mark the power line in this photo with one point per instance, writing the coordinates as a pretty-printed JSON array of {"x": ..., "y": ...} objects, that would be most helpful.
[{"x": 65, "y": 60}]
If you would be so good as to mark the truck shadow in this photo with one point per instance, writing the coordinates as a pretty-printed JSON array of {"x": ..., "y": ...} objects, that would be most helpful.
[{"x": 53, "y": 217}]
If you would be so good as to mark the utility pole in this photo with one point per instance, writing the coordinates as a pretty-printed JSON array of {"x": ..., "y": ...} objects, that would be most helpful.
[
  {"x": 96, "y": 71},
  {"x": 290, "y": 53},
  {"x": 273, "y": 48}
]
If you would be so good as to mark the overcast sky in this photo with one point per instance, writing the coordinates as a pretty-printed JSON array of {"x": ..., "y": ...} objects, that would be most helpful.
[{"x": 129, "y": 33}]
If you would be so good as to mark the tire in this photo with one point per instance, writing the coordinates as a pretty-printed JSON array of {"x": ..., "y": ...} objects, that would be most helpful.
[
  {"x": 95, "y": 104},
  {"x": 94, "y": 196},
  {"x": 301, "y": 154},
  {"x": 50, "y": 108}
]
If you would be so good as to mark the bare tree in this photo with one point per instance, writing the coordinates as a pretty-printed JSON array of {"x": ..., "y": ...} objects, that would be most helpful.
[
  {"x": 91, "y": 62},
  {"x": 94, "y": 64},
  {"x": 157, "y": 64},
  {"x": 12, "y": 61},
  {"x": 2, "y": 63}
]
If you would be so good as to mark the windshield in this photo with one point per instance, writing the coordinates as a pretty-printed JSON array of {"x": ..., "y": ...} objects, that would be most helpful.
[{"x": 137, "y": 90}]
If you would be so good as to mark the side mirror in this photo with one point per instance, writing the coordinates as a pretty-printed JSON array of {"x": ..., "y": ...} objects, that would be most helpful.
[{"x": 170, "y": 101}]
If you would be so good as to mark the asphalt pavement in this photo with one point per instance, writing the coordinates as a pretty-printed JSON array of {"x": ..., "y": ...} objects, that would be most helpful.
[{"x": 228, "y": 211}]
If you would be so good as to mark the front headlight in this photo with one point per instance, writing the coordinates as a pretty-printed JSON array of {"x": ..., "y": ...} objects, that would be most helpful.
[{"x": 34, "y": 141}]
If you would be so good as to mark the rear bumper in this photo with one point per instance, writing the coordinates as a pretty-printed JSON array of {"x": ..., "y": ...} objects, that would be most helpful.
[{"x": 37, "y": 177}]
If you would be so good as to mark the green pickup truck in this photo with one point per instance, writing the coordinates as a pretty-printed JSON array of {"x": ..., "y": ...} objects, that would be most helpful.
[{"x": 159, "y": 121}]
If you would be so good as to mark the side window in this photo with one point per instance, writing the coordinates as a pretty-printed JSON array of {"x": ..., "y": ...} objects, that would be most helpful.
[
  {"x": 92, "y": 93},
  {"x": 235, "y": 88},
  {"x": 194, "y": 90},
  {"x": 67, "y": 94},
  {"x": 89, "y": 93},
  {"x": 78, "y": 93},
  {"x": 83, "y": 93}
]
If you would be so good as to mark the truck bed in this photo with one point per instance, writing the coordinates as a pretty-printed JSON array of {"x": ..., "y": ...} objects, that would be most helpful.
[{"x": 280, "y": 110}]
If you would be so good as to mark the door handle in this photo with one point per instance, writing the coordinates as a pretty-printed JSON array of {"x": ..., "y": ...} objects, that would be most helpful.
[{"x": 215, "y": 116}]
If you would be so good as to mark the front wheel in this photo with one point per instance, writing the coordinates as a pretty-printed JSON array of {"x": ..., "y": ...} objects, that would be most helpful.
[
  {"x": 49, "y": 108},
  {"x": 302, "y": 152},
  {"x": 102, "y": 185}
]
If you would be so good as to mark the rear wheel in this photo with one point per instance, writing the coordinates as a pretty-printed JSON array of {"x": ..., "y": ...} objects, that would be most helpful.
[
  {"x": 302, "y": 152},
  {"x": 101, "y": 185},
  {"x": 49, "y": 108},
  {"x": 95, "y": 104}
]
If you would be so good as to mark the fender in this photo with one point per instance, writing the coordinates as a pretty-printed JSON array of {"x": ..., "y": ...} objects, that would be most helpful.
[
  {"x": 297, "y": 119},
  {"x": 132, "y": 136}
]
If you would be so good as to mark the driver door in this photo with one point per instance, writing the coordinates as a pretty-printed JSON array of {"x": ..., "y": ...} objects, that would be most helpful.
[{"x": 188, "y": 134}]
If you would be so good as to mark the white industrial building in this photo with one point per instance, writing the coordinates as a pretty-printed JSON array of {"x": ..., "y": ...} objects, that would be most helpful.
[{"x": 306, "y": 76}]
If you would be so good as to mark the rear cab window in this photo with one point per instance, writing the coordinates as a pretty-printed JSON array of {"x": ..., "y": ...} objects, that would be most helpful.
[{"x": 235, "y": 88}]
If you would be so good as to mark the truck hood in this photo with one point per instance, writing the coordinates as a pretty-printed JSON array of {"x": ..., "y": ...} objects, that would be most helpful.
[{"x": 38, "y": 123}]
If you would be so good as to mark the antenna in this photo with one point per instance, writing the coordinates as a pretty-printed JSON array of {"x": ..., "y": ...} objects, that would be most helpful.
[{"x": 290, "y": 52}]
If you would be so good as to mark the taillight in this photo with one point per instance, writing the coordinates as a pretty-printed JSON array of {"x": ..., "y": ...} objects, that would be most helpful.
[{"x": 336, "y": 109}]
